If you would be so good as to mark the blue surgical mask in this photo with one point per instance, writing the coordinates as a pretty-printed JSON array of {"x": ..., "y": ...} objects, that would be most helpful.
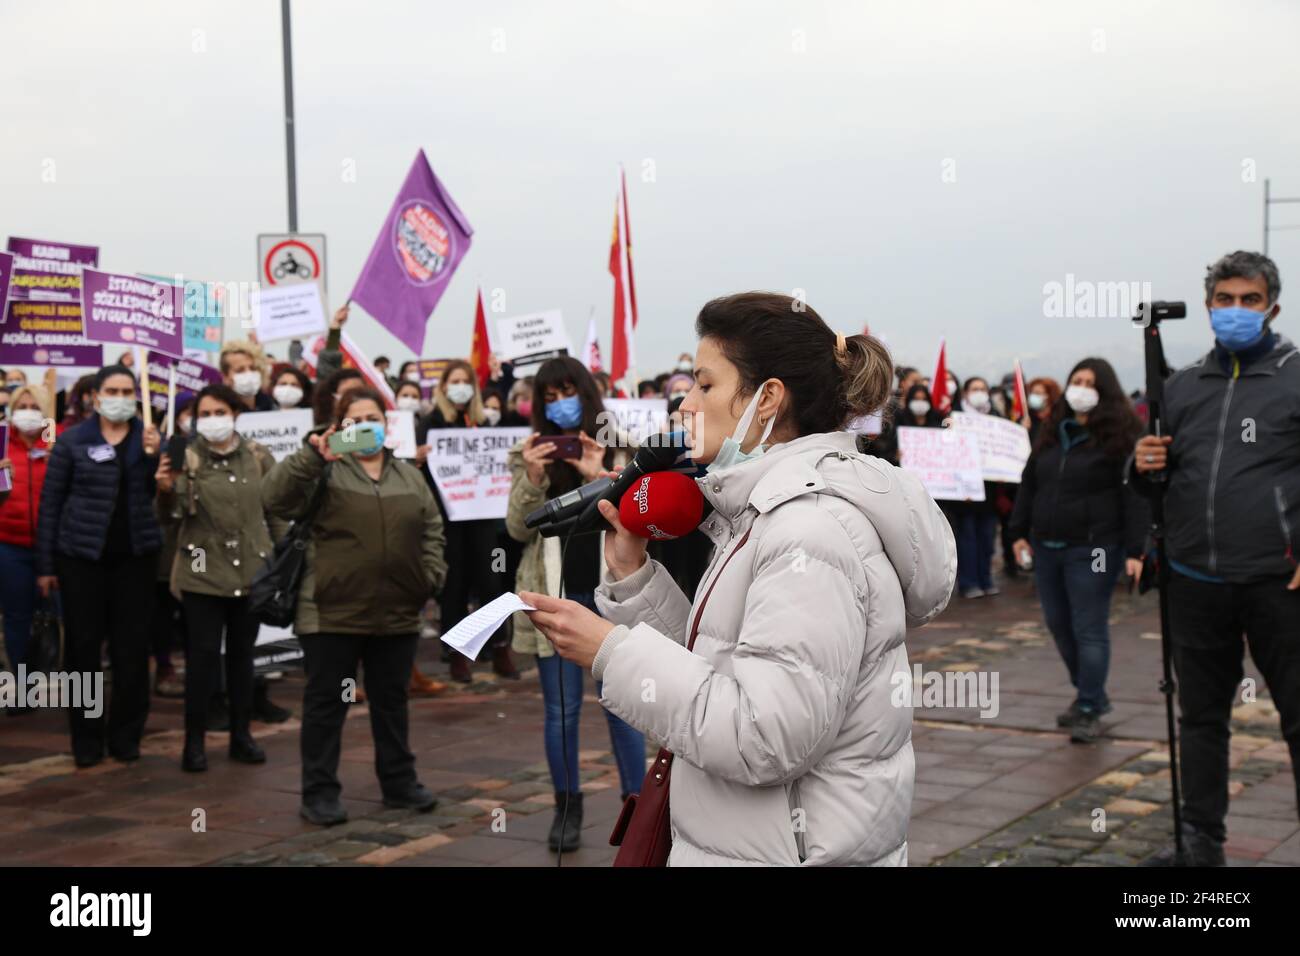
[
  {"x": 730, "y": 453},
  {"x": 565, "y": 412},
  {"x": 377, "y": 428},
  {"x": 1238, "y": 327}
]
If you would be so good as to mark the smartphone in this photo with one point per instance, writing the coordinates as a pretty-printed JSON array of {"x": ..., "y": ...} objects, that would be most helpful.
[
  {"x": 566, "y": 446},
  {"x": 355, "y": 441}
]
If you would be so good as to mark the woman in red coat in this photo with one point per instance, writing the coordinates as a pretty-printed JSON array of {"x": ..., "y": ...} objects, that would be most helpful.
[{"x": 31, "y": 424}]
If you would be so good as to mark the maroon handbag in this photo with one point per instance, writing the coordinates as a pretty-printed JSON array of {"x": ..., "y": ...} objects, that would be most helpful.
[{"x": 643, "y": 833}]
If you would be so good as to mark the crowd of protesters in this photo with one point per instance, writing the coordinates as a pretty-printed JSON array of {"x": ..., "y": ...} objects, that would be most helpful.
[{"x": 146, "y": 544}]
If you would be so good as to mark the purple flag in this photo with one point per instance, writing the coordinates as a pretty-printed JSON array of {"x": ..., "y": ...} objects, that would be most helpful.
[
  {"x": 422, "y": 241},
  {"x": 128, "y": 310},
  {"x": 42, "y": 325}
]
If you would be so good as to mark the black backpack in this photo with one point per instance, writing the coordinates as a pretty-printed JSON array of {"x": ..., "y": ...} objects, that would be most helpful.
[{"x": 273, "y": 595}]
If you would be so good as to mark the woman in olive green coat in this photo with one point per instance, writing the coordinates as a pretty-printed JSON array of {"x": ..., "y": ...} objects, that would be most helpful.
[{"x": 222, "y": 540}]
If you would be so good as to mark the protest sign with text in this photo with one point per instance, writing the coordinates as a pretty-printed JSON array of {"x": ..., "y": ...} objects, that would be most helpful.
[
  {"x": 43, "y": 324},
  {"x": 533, "y": 338},
  {"x": 129, "y": 310},
  {"x": 1004, "y": 445},
  {"x": 946, "y": 460},
  {"x": 639, "y": 417},
  {"x": 281, "y": 432},
  {"x": 469, "y": 467}
]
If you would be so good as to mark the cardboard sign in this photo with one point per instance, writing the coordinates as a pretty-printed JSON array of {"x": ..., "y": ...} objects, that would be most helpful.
[
  {"x": 531, "y": 339},
  {"x": 947, "y": 460},
  {"x": 1003, "y": 444},
  {"x": 399, "y": 433},
  {"x": 288, "y": 311},
  {"x": 469, "y": 467},
  {"x": 281, "y": 433},
  {"x": 639, "y": 417}
]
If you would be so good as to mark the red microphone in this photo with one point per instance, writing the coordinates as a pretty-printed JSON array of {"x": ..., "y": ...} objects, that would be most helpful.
[{"x": 661, "y": 506}]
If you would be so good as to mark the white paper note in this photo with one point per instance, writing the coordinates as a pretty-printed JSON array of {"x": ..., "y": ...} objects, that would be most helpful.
[{"x": 472, "y": 633}]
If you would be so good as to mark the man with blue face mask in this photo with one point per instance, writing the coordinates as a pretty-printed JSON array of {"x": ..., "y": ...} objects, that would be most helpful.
[{"x": 1230, "y": 459}]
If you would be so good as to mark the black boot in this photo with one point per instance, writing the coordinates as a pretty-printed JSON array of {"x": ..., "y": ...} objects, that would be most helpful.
[
  {"x": 263, "y": 708},
  {"x": 244, "y": 749},
  {"x": 566, "y": 828},
  {"x": 194, "y": 758}
]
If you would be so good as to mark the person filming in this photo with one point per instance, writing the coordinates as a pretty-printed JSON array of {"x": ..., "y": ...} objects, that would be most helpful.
[{"x": 1230, "y": 461}]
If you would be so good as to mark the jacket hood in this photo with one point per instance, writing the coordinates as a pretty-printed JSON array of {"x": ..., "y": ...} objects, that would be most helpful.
[{"x": 916, "y": 536}]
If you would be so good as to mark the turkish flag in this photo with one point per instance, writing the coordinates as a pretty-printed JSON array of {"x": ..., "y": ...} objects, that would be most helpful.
[{"x": 480, "y": 348}]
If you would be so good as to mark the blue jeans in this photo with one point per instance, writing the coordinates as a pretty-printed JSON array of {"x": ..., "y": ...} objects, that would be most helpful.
[
  {"x": 974, "y": 532},
  {"x": 562, "y": 746},
  {"x": 1076, "y": 606},
  {"x": 17, "y": 598}
]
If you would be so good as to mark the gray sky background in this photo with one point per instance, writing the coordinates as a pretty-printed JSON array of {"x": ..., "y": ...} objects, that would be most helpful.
[{"x": 1112, "y": 141}]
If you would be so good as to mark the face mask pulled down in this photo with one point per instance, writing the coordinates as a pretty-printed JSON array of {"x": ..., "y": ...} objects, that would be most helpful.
[{"x": 730, "y": 454}]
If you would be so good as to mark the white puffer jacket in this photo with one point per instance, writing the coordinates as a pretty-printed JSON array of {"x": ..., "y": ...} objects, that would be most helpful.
[{"x": 790, "y": 743}]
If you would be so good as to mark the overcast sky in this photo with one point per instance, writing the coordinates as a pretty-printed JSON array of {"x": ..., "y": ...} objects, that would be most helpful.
[{"x": 926, "y": 168}]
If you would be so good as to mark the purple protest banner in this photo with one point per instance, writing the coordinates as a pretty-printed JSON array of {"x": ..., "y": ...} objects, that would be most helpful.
[
  {"x": 422, "y": 241},
  {"x": 6, "y": 276},
  {"x": 191, "y": 378},
  {"x": 42, "y": 325},
  {"x": 128, "y": 310},
  {"x": 50, "y": 271}
]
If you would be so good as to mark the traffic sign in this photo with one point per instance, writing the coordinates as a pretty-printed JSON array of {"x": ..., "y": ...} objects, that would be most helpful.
[{"x": 284, "y": 258}]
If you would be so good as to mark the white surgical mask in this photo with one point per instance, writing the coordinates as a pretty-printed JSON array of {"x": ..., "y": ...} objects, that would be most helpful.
[
  {"x": 217, "y": 428},
  {"x": 979, "y": 400},
  {"x": 408, "y": 403},
  {"x": 247, "y": 383},
  {"x": 411, "y": 377},
  {"x": 730, "y": 453},
  {"x": 460, "y": 393},
  {"x": 117, "y": 408},
  {"x": 184, "y": 425},
  {"x": 28, "y": 420},
  {"x": 1037, "y": 400},
  {"x": 918, "y": 407},
  {"x": 492, "y": 415},
  {"x": 676, "y": 395},
  {"x": 1081, "y": 398},
  {"x": 287, "y": 396},
  {"x": 685, "y": 365}
]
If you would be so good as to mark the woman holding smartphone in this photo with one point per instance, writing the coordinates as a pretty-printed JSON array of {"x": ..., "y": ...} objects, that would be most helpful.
[
  {"x": 471, "y": 568},
  {"x": 375, "y": 556},
  {"x": 777, "y": 688},
  {"x": 566, "y": 416}
]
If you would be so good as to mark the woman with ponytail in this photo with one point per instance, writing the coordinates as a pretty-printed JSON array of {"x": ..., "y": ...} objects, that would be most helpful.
[{"x": 776, "y": 689}]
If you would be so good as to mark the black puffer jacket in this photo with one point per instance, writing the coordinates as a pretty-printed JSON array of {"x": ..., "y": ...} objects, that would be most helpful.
[
  {"x": 1232, "y": 507},
  {"x": 79, "y": 493},
  {"x": 1078, "y": 496}
]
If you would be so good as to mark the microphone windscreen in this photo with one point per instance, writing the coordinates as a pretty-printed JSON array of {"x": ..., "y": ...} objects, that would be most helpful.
[{"x": 661, "y": 506}]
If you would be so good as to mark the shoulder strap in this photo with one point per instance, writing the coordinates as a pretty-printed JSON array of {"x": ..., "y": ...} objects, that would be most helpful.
[
  {"x": 317, "y": 498},
  {"x": 695, "y": 626}
]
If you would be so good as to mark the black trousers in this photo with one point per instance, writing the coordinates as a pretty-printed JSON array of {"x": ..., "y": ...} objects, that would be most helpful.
[
  {"x": 332, "y": 658},
  {"x": 1207, "y": 622},
  {"x": 470, "y": 572},
  {"x": 168, "y": 620},
  {"x": 209, "y": 618},
  {"x": 109, "y": 600}
]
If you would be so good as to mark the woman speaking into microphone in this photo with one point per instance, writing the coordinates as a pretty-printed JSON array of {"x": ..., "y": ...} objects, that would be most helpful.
[{"x": 775, "y": 693}]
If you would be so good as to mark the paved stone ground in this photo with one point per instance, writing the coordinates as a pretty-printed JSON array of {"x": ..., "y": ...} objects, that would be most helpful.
[{"x": 1004, "y": 790}]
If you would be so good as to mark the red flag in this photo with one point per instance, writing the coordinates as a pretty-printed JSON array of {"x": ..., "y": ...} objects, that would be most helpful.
[
  {"x": 939, "y": 384},
  {"x": 621, "y": 357},
  {"x": 627, "y": 231},
  {"x": 480, "y": 348},
  {"x": 1019, "y": 401}
]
